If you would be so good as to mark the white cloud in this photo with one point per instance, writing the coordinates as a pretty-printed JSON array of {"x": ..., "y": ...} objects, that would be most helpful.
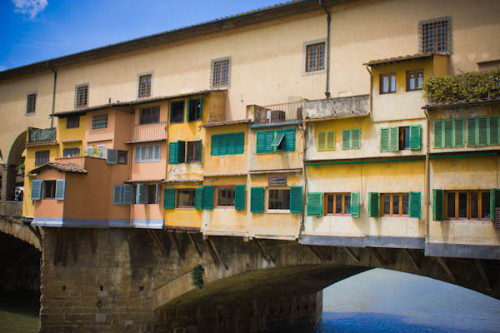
[{"x": 30, "y": 7}]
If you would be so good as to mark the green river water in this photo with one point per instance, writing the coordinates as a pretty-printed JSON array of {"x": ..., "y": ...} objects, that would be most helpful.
[{"x": 19, "y": 312}]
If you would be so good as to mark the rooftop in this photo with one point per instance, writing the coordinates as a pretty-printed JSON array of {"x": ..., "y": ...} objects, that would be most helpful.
[
  {"x": 408, "y": 57},
  {"x": 69, "y": 167}
]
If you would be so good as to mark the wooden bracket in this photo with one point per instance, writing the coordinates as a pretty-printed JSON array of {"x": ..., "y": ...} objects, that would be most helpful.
[
  {"x": 482, "y": 272},
  {"x": 195, "y": 245},
  {"x": 379, "y": 257},
  {"x": 446, "y": 269},
  {"x": 412, "y": 260},
  {"x": 318, "y": 251},
  {"x": 214, "y": 254},
  {"x": 157, "y": 241},
  {"x": 173, "y": 238},
  {"x": 76, "y": 237},
  {"x": 94, "y": 240},
  {"x": 352, "y": 254},
  {"x": 265, "y": 254}
]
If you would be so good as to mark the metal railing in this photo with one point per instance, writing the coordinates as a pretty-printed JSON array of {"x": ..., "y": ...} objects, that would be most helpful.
[
  {"x": 291, "y": 111},
  {"x": 150, "y": 132},
  {"x": 41, "y": 135}
]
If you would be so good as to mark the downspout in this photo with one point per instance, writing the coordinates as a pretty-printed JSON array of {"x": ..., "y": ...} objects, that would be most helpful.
[
  {"x": 427, "y": 175},
  {"x": 53, "y": 95},
  {"x": 371, "y": 89},
  {"x": 327, "y": 46}
]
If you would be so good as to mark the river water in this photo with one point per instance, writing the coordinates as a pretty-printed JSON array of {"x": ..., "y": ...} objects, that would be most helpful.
[{"x": 377, "y": 301}]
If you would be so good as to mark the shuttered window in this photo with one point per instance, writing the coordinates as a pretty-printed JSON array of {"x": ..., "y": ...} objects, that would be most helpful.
[
  {"x": 149, "y": 153},
  {"x": 228, "y": 144},
  {"x": 118, "y": 195},
  {"x": 438, "y": 205},
  {"x": 240, "y": 197},
  {"x": 399, "y": 138},
  {"x": 314, "y": 207},
  {"x": 373, "y": 204},
  {"x": 257, "y": 199},
  {"x": 198, "y": 198},
  {"x": 208, "y": 197},
  {"x": 60, "y": 189},
  {"x": 326, "y": 141},
  {"x": 296, "y": 199},
  {"x": 351, "y": 139},
  {"x": 279, "y": 140},
  {"x": 128, "y": 194},
  {"x": 355, "y": 204},
  {"x": 481, "y": 131},
  {"x": 169, "y": 198},
  {"x": 112, "y": 156},
  {"x": 449, "y": 133},
  {"x": 415, "y": 204},
  {"x": 147, "y": 194},
  {"x": 36, "y": 190}
]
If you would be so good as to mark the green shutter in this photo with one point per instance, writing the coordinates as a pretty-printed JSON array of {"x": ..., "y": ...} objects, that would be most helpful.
[
  {"x": 264, "y": 141},
  {"x": 394, "y": 138},
  {"x": 346, "y": 139},
  {"x": 373, "y": 204},
  {"x": 239, "y": 196},
  {"x": 415, "y": 132},
  {"x": 290, "y": 139},
  {"x": 438, "y": 205},
  {"x": 240, "y": 143},
  {"x": 494, "y": 202},
  {"x": 438, "y": 134},
  {"x": 482, "y": 131},
  {"x": 169, "y": 198},
  {"x": 200, "y": 150},
  {"x": 231, "y": 143},
  {"x": 384, "y": 140},
  {"x": 355, "y": 204},
  {"x": 471, "y": 132},
  {"x": 198, "y": 198},
  {"x": 459, "y": 132},
  {"x": 448, "y": 133},
  {"x": 314, "y": 204},
  {"x": 181, "y": 154},
  {"x": 257, "y": 199},
  {"x": 493, "y": 131},
  {"x": 296, "y": 199},
  {"x": 208, "y": 197},
  {"x": 415, "y": 205},
  {"x": 214, "y": 149},
  {"x": 173, "y": 153},
  {"x": 223, "y": 144},
  {"x": 321, "y": 145},
  {"x": 260, "y": 142},
  {"x": 355, "y": 139}
]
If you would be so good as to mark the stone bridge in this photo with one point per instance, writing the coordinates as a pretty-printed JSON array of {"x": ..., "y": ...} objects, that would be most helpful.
[{"x": 10, "y": 224}]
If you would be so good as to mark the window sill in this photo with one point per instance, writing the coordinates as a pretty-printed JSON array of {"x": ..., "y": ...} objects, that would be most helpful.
[{"x": 278, "y": 211}]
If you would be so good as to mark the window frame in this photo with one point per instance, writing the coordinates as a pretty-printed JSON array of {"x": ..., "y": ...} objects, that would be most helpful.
[
  {"x": 381, "y": 84},
  {"x": 268, "y": 198},
  {"x": 391, "y": 204},
  {"x": 234, "y": 144},
  {"x": 31, "y": 110},
  {"x": 38, "y": 157},
  {"x": 195, "y": 156},
  {"x": 194, "y": 101},
  {"x": 95, "y": 123},
  {"x": 424, "y": 47},
  {"x": 403, "y": 136},
  {"x": 220, "y": 83},
  {"x": 305, "y": 48},
  {"x": 469, "y": 205},
  {"x": 53, "y": 184},
  {"x": 78, "y": 101},
  {"x": 152, "y": 118},
  {"x": 334, "y": 194},
  {"x": 138, "y": 151},
  {"x": 319, "y": 63},
  {"x": 178, "y": 102},
  {"x": 224, "y": 187},
  {"x": 177, "y": 196},
  {"x": 416, "y": 72},
  {"x": 74, "y": 149},
  {"x": 139, "y": 77}
]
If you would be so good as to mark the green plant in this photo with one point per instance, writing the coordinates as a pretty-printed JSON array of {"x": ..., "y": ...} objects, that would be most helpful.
[
  {"x": 197, "y": 276},
  {"x": 462, "y": 88}
]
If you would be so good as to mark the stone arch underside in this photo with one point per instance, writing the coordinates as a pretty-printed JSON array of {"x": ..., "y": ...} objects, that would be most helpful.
[
  {"x": 27, "y": 234},
  {"x": 13, "y": 161}
]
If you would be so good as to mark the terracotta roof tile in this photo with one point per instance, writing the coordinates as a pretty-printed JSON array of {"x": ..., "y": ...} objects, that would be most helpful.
[{"x": 69, "y": 167}]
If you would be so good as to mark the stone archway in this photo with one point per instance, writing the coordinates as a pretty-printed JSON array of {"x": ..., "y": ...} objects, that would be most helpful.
[{"x": 10, "y": 169}]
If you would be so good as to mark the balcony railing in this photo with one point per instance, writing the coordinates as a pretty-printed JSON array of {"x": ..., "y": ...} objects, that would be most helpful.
[
  {"x": 39, "y": 135},
  {"x": 337, "y": 107},
  {"x": 150, "y": 132},
  {"x": 275, "y": 112}
]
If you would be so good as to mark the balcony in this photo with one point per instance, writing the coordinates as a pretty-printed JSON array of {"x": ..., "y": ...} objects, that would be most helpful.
[
  {"x": 340, "y": 107},
  {"x": 149, "y": 132},
  {"x": 41, "y": 136},
  {"x": 282, "y": 112}
]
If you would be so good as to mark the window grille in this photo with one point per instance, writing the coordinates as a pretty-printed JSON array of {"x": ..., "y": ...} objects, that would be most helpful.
[
  {"x": 145, "y": 85},
  {"x": 220, "y": 72},
  {"x": 31, "y": 103},
  {"x": 99, "y": 122},
  {"x": 435, "y": 35},
  {"x": 81, "y": 95},
  {"x": 315, "y": 57}
]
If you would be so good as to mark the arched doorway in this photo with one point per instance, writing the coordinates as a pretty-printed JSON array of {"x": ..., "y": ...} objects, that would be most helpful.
[{"x": 12, "y": 175}]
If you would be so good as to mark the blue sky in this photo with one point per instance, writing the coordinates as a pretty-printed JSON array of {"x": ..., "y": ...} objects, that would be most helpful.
[{"x": 37, "y": 30}]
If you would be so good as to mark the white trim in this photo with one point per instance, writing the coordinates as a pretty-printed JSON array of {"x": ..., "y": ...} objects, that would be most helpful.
[
  {"x": 229, "y": 72},
  {"x": 36, "y": 102},
  {"x": 304, "y": 56},
  {"x": 138, "y": 83},
  {"x": 76, "y": 93}
]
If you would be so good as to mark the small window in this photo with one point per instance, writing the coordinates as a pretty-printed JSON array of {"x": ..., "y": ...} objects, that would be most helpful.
[
  {"x": 70, "y": 152},
  {"x": 351, "y": 139},
  {"x": 468, "y": 204},
  {"x": 145, "y": 85},
  {"x": 100, "y": 121},
  {"x": 225, "y": 196},
  {"x": 194, "y": 109},
  {"x": 31, "y": 103},
  {"x": 279, "y": 199},
  {"x": 338, "y": 203},
  {"x": 228, "y": 144},
  {"x": 435, "y": 35},
  {"x": 73, "y": 121},
  {"x": 414, "y": 80},
  {"x": 220, "y": 72},
  {"x": 150, "y": 153},
  {"x": 326, "y": 141},
  {"x": 150, "y": 115},
  {"x": 315, "y": 57},
  {"x": 395, "y": 204},
  {"x": 193, "y": 151},
  {"x": 81, "y": 95},
  {"x": 387, "y": 83},
  {"x": 185, "y": 198},
  {"x": 42, "y": 157},
  {"x": 122, "y": 157},
  {"x": 404, "y": 138},
  {"x": 273, "y": 141},
  {"x": 49, "y": 189},
  {"x": 177, "y": 112}
]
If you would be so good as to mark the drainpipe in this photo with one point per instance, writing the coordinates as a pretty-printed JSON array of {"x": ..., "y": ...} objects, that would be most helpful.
[
  {"x": 371, "y": 82},
  {"x": 427, "y": 175},
  {"x": 328, "y": 24},
  {"x": 53, "y": 95}
]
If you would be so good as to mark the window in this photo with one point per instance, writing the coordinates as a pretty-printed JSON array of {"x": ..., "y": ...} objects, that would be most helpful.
[
  {"x": 220, "y": 72},
  {"x": 115, "y": 156},
  {"x": 145, "y": 85},
  {"x": 73, "y": 121},
  {"x": 228, "y": 144},
  {"x": 351, "y": 139},
  {"x": 194, "y": 109},
  {"x": 146, "y": 194},
  {"x": 395, "y": 204},
  {"x": 70, "y": 152},
  {"x": 122, "y": 157},
  {"x": 49, "y": 189},
  {"x": 315, "y": 57},
  {"x": 177, "y": 112},
  {"x": 279, "y": 199},
  {"x": 124, "y": 194},
  {"x": 338, "y": 203},
  {"x": 414, "y": 80},
  {"x": 387, "y": 83},
  {"x": 326, "y": 141},
  {"x": 150, "y": 153},
  {"x": 42, "y": 157},
  {"x": 193, "y": 151},
  {"x": 185, "y": 198},
  {"x": 100, "y": 121},
  {"x": 81, "y": 95},
  {"x": 435, "y": 35},
  {"x": 150, "y": 115},
  {"x": 400, "y": 138},
  {"x": 279, "y": 140},
  {"x": 467, "y": 204},
  {"x": 31, "y": 103},
  {"x": 225, "y": 196},
  {"x": 483, "y": 131}
]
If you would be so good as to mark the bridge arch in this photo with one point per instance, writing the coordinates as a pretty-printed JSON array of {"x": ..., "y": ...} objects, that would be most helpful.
[
  {"x": 9, "y": 175},
  {"x": 13, "y": 227}
]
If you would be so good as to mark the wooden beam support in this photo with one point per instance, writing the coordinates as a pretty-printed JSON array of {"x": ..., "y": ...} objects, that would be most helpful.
[
  {"x": 57, "y": 254},
  {"x": 412, "y": 260},
  {"x": 157, "y": 241},
  {"x": 65, "y": 237},
  {"x": 351, "y": 254},
  {"x": 482, "y": 272},
  {"x": 265, "y": 254},
  {"x": 215, "y": 254},
  {"x": 195, "y": 245},
  {"x": 446, "y": 269},
  {"x": 173, "y": 238},
  {"x": 322, "y": 255},
  {"x": 379, "y": 257},
  {"x": 75, "y": 244},
  {"x": 94, "y": 240}
]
